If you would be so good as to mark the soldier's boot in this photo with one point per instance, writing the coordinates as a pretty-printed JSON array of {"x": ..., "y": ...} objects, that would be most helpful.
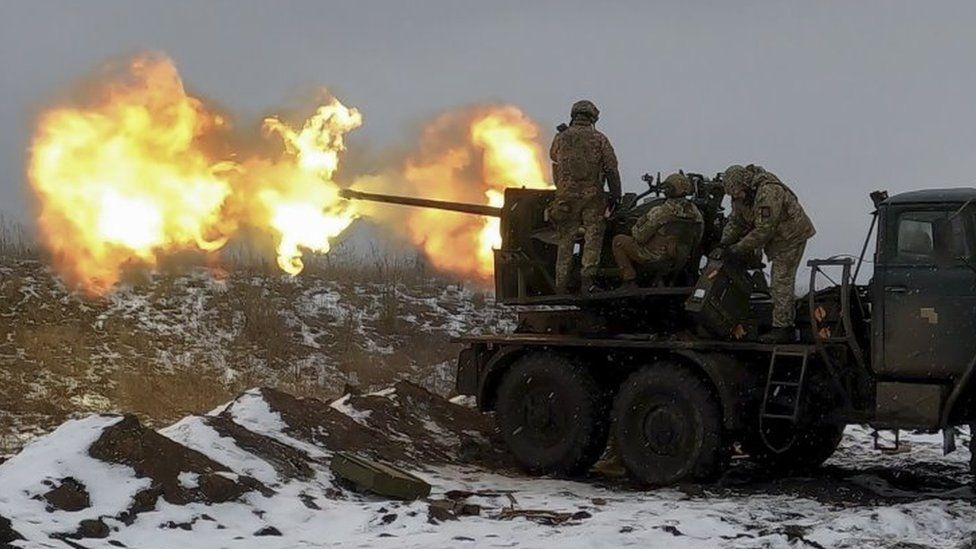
[{"x": 781, "y": 335}]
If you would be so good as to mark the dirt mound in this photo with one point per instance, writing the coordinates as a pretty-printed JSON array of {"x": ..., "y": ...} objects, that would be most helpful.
[
  {"x": 430, "y": 428},
  {"x": 288, "y": 461},
  {"x": 7, "y": 534},
  {"x": 406, "y": 424},
  {"x": 178, "y": 474},
  {"x": 316, "y": 422}
]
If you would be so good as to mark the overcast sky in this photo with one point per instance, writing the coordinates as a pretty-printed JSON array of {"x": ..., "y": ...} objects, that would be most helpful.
[{"x": 838, "y": 98}]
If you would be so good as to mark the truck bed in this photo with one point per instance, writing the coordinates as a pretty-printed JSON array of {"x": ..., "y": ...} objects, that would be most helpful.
[
  {"x": 602, "y": 296},
  {"x": 631, "y": 341}
]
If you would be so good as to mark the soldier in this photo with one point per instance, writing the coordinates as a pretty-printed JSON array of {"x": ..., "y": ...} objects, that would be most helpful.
[
  {"x": 582, "y": 158},
  {"x": 664, "y": 238},
  {"x": 767, "y": 216}
]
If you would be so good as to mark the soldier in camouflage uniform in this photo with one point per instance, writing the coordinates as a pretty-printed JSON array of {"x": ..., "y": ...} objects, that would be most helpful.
[
  {"x": 766, "y": 215},
  {"x": 663, "y": 240},
  {"x": 582, "y": 159}
]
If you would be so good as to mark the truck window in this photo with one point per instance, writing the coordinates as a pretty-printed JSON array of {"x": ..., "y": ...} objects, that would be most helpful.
[
  {"x": 924, "y": 236},
  {"x": 916, "y": 236},
  {"x": 960, "y": 241}
]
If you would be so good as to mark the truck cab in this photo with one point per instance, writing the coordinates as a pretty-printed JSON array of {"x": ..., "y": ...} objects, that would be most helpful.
[{"x": 923, "y": 308}]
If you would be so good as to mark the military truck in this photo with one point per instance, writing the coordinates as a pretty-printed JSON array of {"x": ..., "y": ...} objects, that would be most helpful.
[{"x": 671, "y": 372}]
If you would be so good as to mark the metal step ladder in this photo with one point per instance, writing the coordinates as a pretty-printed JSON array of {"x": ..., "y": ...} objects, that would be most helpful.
[{"x": 781, "y": 400}]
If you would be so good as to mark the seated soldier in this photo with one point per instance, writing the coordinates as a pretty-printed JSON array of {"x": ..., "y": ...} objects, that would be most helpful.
[{"x": 664, "y": 238}]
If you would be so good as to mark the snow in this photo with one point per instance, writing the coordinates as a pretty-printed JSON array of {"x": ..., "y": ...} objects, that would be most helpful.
[
  {"x": 311, "y": 512},
  {"x": 252, "y": 412},
  {"x": 189, "y": 480},
  {"x": 193, "y": 433},
  {"x": 359, "y": 416},
  {"x": 59, "y": 455}
]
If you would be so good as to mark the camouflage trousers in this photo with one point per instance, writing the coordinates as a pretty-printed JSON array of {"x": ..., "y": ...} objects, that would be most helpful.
[
  {"x": 626, "y": 252},
  {"x": 782, "y": 285},
  {"x": 571, "y": 214}
]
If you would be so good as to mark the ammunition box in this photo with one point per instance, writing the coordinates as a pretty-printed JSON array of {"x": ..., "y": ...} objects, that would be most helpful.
[
  {"x": 377, "y": 477},
  {"x": 719, "y": 303}
]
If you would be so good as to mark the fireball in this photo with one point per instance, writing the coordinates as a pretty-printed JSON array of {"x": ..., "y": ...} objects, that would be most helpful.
[
  {"x": 304, "y": 206},
  {"x": 133, "y": 172},
  {"x": 123, "y": 177},
  {"x": 469, "y": 155}
]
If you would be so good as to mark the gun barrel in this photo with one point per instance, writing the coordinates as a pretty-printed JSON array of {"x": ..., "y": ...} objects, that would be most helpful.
[{"x": 474, "y": 209}]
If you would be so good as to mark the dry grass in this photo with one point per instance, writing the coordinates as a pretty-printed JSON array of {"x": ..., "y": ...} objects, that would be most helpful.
[
  {"x": 265, "y": 329},
  {"x": 162, "y": 397},
  {"x": 15, "y": 240}
]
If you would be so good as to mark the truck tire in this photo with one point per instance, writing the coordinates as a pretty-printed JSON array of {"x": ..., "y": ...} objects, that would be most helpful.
[
  {"x": 668, "y": 426},
  {"x": 553, "y": 415}
]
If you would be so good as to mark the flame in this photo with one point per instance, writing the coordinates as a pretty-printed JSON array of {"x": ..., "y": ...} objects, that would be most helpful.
[
  {"x": 308, "y": 214},
  {"x": 125, "y": 177},
  {"x": 469, "y": 155},
  {"x": 140, "y": 169},
  {"x": 511, "y": 158}
]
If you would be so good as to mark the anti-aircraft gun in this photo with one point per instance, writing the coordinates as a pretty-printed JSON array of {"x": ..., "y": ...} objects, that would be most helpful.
[
  {"x": 525, "y": 262},
  {"x": 673, "y": 372}
]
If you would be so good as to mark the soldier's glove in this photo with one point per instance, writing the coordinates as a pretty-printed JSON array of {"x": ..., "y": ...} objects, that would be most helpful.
[{"x": 613, "y": 201}]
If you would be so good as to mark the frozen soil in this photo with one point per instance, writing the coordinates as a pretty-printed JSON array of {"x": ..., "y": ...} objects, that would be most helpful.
[{"x": 255, "y": 473}]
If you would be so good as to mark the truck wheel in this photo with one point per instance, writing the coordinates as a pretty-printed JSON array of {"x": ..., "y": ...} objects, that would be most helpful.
[
  {"x": 553, "y": 415},
  {"x": 814, "y": 445},
  {"x": 668, "y": 426}
]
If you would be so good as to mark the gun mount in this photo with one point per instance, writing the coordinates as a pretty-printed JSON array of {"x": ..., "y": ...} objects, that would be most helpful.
[{"x": 525, "y": 262}]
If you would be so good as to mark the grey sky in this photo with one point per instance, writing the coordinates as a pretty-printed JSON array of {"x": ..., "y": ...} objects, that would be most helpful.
[{"x": 838, "y": 98}]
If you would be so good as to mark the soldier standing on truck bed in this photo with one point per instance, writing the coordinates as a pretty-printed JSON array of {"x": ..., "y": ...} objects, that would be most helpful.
[
  {"x": 582, "y": 158},
  {"x": 766, "y": 215},
  {"x": 664, "y": 238}
]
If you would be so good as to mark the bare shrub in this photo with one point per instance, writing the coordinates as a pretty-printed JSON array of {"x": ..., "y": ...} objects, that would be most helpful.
[
  {"x": 16, "y": 240},
  {"x": 265, "y": 328},
  {"x": 389, "y": 303}
]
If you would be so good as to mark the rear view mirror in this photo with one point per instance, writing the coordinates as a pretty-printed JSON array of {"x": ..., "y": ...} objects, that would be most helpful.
[{"x": 877, "y": 197}]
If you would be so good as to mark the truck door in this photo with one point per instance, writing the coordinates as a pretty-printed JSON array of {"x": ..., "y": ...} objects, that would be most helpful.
[{"x": 928, "y": 284}]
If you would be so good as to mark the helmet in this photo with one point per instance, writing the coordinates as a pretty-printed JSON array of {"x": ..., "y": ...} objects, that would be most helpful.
[
  {"x": 677, "y": 185},
  {"x": 735, "y": 178},
  {"x": 585, "y": 108}
]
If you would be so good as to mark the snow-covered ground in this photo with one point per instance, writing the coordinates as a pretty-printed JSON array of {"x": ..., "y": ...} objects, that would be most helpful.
[{"x": 272, "y": 452}]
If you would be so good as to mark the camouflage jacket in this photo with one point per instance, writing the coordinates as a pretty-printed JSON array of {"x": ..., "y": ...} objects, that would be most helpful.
[
  {"x": 774, "y": 222},
  {"x": 674, "y": 224},
  {"x": 582, "y": 157}
]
